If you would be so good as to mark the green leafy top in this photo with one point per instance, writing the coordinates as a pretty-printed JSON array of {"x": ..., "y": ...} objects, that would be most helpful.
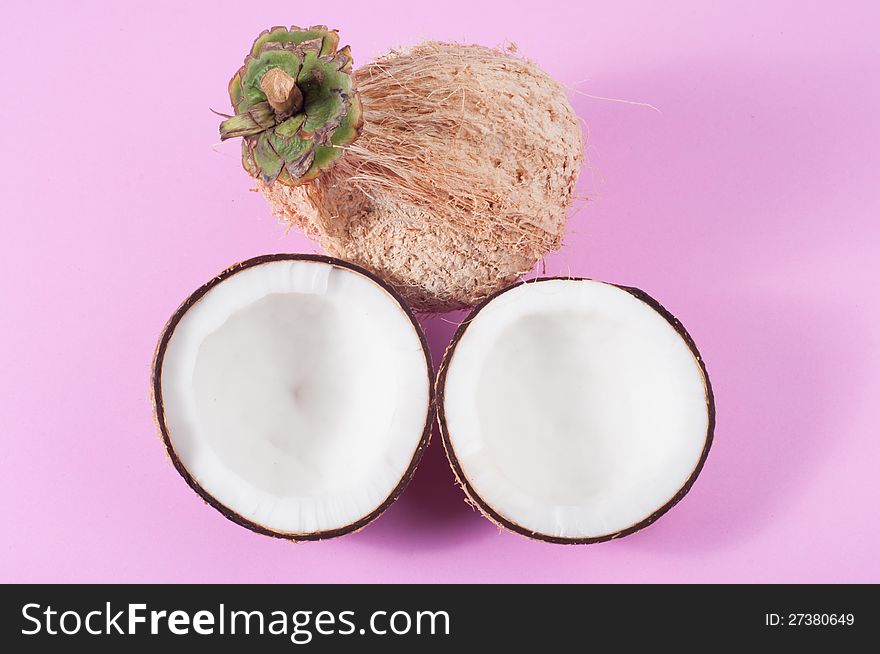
[{"x": 295, "y": 104}]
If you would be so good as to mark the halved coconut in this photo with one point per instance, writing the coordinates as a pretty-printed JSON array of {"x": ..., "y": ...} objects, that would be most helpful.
[
  {"x": 294, "y": 394},
  {"x": 574, "y": 411}
]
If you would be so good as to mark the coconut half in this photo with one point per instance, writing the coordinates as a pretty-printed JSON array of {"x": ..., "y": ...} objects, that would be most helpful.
[
  {"x": 294, "y": 394},
  {"x": 574, "y": 411}
]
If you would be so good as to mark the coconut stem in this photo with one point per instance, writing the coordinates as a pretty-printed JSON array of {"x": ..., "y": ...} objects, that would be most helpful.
[{"x": 282, "y": 92}]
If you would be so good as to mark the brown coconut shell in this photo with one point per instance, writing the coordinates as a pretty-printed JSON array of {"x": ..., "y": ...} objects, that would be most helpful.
[
  {"x": 475, "y": 500},
  {"x": 460, "y": 180},
  {"x": 159, "y": 405}
]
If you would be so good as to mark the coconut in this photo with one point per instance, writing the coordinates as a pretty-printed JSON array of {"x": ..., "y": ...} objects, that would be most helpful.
[
  {"x": 574, "y": 411},
  {"x": 458, "y": 183},
  {"x": 294, "y": 394}
]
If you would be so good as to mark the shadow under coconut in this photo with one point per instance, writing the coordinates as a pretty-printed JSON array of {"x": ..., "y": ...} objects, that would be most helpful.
[
  {"x": 431, "y": 512},
  {"x": 781, "y": 412},
  {"x": 727, "y": 207}
]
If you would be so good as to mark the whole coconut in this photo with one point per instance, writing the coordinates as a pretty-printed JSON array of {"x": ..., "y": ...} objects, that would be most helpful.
[{"x": 459, "y": 180}]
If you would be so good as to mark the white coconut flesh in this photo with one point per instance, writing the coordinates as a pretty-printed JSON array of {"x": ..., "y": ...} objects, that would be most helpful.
[
  {"x": 573, "y": 410},
  {"x": 296, "y": 393}
]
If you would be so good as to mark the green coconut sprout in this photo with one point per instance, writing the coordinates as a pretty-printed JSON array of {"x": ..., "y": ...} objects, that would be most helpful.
[{"x": 295, "y": 104}]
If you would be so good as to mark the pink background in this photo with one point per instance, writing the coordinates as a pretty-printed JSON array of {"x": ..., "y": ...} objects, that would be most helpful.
[{"x": 749, "y": 205}]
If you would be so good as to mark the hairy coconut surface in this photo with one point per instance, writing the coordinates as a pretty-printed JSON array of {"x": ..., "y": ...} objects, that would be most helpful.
[{"x": 460, "y": 180}]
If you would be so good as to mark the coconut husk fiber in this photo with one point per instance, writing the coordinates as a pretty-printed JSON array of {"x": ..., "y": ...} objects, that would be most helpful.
[{"x": 459, "y": 181}]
